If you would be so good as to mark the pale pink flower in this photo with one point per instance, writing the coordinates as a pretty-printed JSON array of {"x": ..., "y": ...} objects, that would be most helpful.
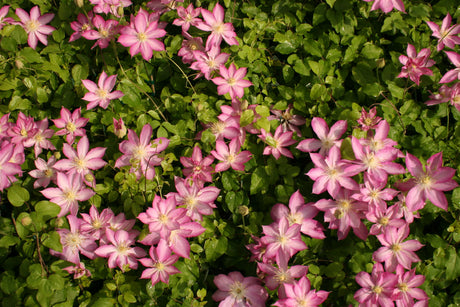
[
  {"x": 208, "y": 61},
  {"x": 196, "y": 167},
  {"x": 101, "y": 94},
  {"x": 3, "y": 12},
  {"x": 298, "y": 293},
  {"x": 214, "y": 22},
  {"x": 377, "y": 289},
  {"x": 407, "y": 290},
  {"x": 453, "y": 74},
  {"x": 40, "y": 139},
  {"x": 141, "y": 153},
  {"x": 75, "y": 242},
  {"x": 119, "y": 128},
  {"x": 369, "y": 121},
  {"x": 141, "y": 36},
  {"x": 79, "y": 270},
  {"x": 69, "y": 192},
  {"x": 7, "y": 169},
  {"x": 94, "y": 223},
  {"x": 35, "y": 25},
  {"x": 327, "y": 137},
  {"x": 444, "y": 95},
  {"x": 231, "y": 81},
  {"x": 277, "y": 143},
  {"x": 375, "y": 194},
  {"x": 416, "y": 65},
  {"x": 379, "y": 139},
  {"x": 187, "y": 17},
  {"x": 299, "y": 213},
  {"x": 120, "y": 251},
  {"x": 5, "y": 126},
  {"x": 44, "y": 173},
  {"x": 388, "y": 217},
  {"x": 160, "y": 265},
  {"x": 238, "y": 291},
  {"x": 429, "y": 183},
  {"x": 228, "y": 129},
  {"x": 106, "y": 31},
  {"x": 230, "y": 156},
  {"x": 394, "y": 251},
  {"x": 177, "y": 240},
  {"x": 115, "y": 7},
  {"x": 447, "y": 35},
  {"x": 455, "y": 96},
  {"x": 387, "y": 5},
  {"x": 71, "y": 125}
]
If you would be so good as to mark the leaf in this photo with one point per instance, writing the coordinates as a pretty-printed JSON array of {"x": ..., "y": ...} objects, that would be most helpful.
[
  {"x": 30, "y": 55},
  {"x": 301, "y": 68},
  {"x": 52, "y": 240},
  {"x": 7, "y": 241},
  {"x": 453, "y": 264},
  {"x": 47, "y": 210},
  {"x": 17, "y": 195},
  {"x": 258, "y": 180},
  {"x": 214, "y": 248}
]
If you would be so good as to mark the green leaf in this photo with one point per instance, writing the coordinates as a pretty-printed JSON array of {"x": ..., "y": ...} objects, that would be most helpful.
[
  {"x": 301, "y": 68},
  {"x": 47, "y": 210},
  {"x": 7, "y": 241},
  {"x": 104, "y": 302},
  {"x": 79, "y": 73},
  {"x": 17, "y": 195},
  {"x": 8, "y": 44},
  {"x": 30, "y": 55},
  {"x": 52, "y": 240},
  {"x": 258, "y": 180},
  {"x": 453, "y": 264},
  {"x": 214, "y": 248},
  {"x": 285, "y": 48},
  {"x": 17, "y": 103},
  {"x": 371, "y": 51}
]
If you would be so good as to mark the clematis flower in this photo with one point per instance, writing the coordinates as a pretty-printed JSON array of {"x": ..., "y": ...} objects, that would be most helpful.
[
  {"x": 23, "y": 131},
  {"x": 106, "y": 31},
  {"x": 40, "y": 139},
  {"x": 141, "y": 36},
  {"x": 160, "y": 264},
  {"x": 416, "y": 65},
  {"x": 7, "y": 169},
  {"x": 407, "y": 290},
  {"x": 214, "y": 22},
  {"x": 298, "y": 293},
  {"x": 69, "y": 192},
  {"x": 429, "y": 183},
  {"x": 455, "y": 96},
  {"x": 94, "y": 223},
  {"x": 237, "y": 290},
  {"x": 208, "y": 61},
  {"x": 35, "y": 25},
  {"x": 196, "y": 167},
  {"x": 71, "y": 125},
  {"x": 444, "y": 95},
  {"x": 394, "y": 251},
  {"x": 288, "y": 121},
  {"x": 80, "y": 26},
  {"x": 327, "y": 137},
  {"x": 101, "y": 94},
  {"x": 44, "y": 173},
  {"x": 120, "y": 251},
  {"x": 447, "y": 35},
  {"x": 3, "y": 12},
  {"x": 231, "y": 81},
  {"x": 187, "y": 17},
  {"x": 115, "y": 7},
  {"x": 453, "y": 74},
  {"x": 119, "y": 128},
  {"x": 387, "y": 5},
  {"x": 277, "y": 143},
  {"x": 229, "y": 156},
  {"x": 79, "y": 270},
  {"x": 369, "y": 121},
  {"x": 189, "y": 45}
]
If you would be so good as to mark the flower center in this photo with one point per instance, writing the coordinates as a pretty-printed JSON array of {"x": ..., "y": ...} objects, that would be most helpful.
[
  {"x": 231, "y": 158},
  {"x": 294, "y": 218},
  {"x": 425, "y": 181},
  {"x": 38, "y": 137},
  {"x": 384, "y": 221},
  {"x": 395, "y": 247},
  {"x": 159, "y": 266},
  {"x": 32, "y": 25},
  {"x": 122, "y": 249},
  {"x": 371, "y": 161},
  {"x": 70, "y": 195},
  {"x": 102, "y": 93},
  {"x": 217, "y": 128},
  {"x": 48, "y": 173},
  {"x": 70, "y": 127},
  {"x": 231, "y": 81},
  {"x": 163, "y": 218},
  {"x": 219, "y": 28},
  {"x": 403, "y": 287},
  {"x": 141, "y": 37},
  {"x": 24, "y": 132},
  {"x": 237, "y": 290},
  {"x": 104, "y": 33},
  {"x": 96, "y": 224},
  {"x": 377, "y": 289},
  {"x": 73, "y": 240}
]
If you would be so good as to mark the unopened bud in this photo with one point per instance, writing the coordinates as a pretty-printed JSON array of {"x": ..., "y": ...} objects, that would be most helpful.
[
  {"x": 89, "y": 177},
  {"x": 57, "y": 155},
  {"x": 79, "y": 3},
  {"x": 380, "y": 63},
  {"x": 26, "y": 220},
  {"x": 60, "y": 222},
  {"x": 119, "y": 128},
  {"x": 243, "y": 210},
  {"x": 451, "y": 229},
  {"x": 19, "y": 64}
]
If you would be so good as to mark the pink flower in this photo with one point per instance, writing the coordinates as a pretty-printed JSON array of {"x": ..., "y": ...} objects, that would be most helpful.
[
  {"x": 7, "y": 169},
  {"x": 69, "y": 192},
  {"x": 277, "y": 143},
  {"x": 75, "y": 242},
  {"x": 80, "y": 26},
  {"x": 232, "y": 81},
  {"x": 327, "y": 137},
  {"x": 106, "y": 31},
  {"x": 453, "y": 74},
  {"x": 120, "y": 251},
  {"x": 394, "y": 251},
  {"x": 238, "y": 291},
  {"x": 447, "y": 35},
  {"x": 455, "y": 96},
  {"x": 208, "y": 61},
  {"x": 407, "y": 288},
  {"x": 35, "y": 25},
  {"x": 101, "y": 94},
  {"x": 288, "y": 121},
  {"x": 23, "y": 131},
  {"x": 94, "y": 223},
  {"x": 141, "y": 36},
  {"x": 189, "y": 45},
  {"x": 387, "y": 5},
  {"x": 443, "y": 96},
  {"x": 416, "y": 65},
  {"x": 110, "y": 6},
  {"x": 430, "y": 183},
  {"x": 298, "y": 293},
  {"x": 3, "y": 12},
  {"x": 160, "y": 264},
  {"x": 40, "y": 139},
  {"x": 187, "y": 17},
  {"x": 369, "y": 120},
  {"x": 214, "y": 22},
  {"x": 198, "y": 168},
  {"x": 71, "y": 125},
  {"x": 378, "y": 289},
  {"x": 229, "y": 156},
  {"x": 44, "y": 173},
  {"x": 119, "y": 128},
  {"x": 141, "y": 153},
  {"x": 79, "y": 270}
]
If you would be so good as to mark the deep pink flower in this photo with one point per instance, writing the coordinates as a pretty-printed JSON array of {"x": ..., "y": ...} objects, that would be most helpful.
[
  {"x": 23, "y": 131},
  {"x": 106, "y": 31},
  {"x": 416, "y": 65},
  {"x": 327, "y": 137},
  {"x": 101, "y": 94},
  {"x": 383, "y": 218},
  {"x": 80, "y": 26},
  {"x": 141, "y": 36},
  {"x": 94, "y": 223},
  {"x": 196, "y": 167},
  {"x": 394, "y": 251},
  {"x": 115, "y": 7},
  {"x": 238, "y": 291},
  {"x": 119, "y": 128},
  {"x": 214, "y": 22},
  {"x": 453, "y": 74},
  {"x": 69, "y": 192},
  {"x": 387, "y": 5},
  {"x": 79, "y": 270},
  {"x": 444, "y": 95},
  {"x": 230, "y": 156},
  {"x": 208, "y": 61},
  {"x": 407, "y": 288},
  {"x": 187, "y": 17},
  {"x": 231, "y": 81},
  {"x": 35, "y": 25},
  {"x": 40, "y": 139},
  {"x": 71, "y": 125},
  {"x": 189, "y": 45},
  {"x": 298, "y": 294},
  {"x": 447, "y": 35},
  {"x": 369, "y": 120},
  {"x": 277, "y": 143},
  {"x": 377, "y": 289},
  {"x": 429, "y": 183},
  {"x": 455, "y": 96},
  {"x": 160, "y": 264},
  {"x": 120, "y": 251}
]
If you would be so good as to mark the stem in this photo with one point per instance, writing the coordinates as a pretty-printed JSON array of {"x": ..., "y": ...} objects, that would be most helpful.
[{"x": 183, "y": 73}]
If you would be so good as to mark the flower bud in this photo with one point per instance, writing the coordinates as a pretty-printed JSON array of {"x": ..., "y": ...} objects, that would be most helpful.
[
  {"x": 119, "y": 128},
  {"x": 26, "y": 220},
  {"x": 19, "y": 64},
  {"x": 380, "y": 63},
  {"x": 79, "y": 3},
  {"x": 57, "y": 155},
  {"x": 243, "y": 210},
  {"x": 60, "y": 222}
]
